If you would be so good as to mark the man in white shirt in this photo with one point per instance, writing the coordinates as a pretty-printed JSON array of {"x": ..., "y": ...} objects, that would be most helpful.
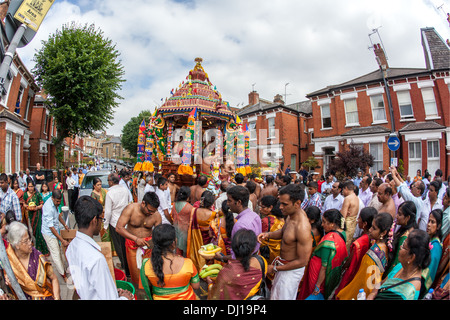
[
  {"x": 90, "y": 271},
  {"x": 117, "y": 198},
  {"x": 326, "y": 187},
  {"x": 125, "y": 181},
  {"x": 164, "y": 206},
  {"x": 70, "y": 183},
  {"x": 365, "y": 194},
  {"x": 430, "y": 203},
  {"x": 223, "y": 195},
  {"x": 335, "y": 199},
  {"x": 50, "y": 229},
  {"x": 414, "y": 195},
  {"x": 149, "y": 184}
]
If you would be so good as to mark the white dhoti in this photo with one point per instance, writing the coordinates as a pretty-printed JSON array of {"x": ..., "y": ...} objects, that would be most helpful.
[{"x": 285, "y": 284}]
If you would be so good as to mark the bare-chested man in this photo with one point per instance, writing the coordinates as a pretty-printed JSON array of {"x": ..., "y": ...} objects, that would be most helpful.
[
  {"x": 385, "y": 197},
  {"x": 350, "y": 210},
  {"x": 270, "y": 189},
  {"x": 296, "y": 244},
  {"x": 173, "y": 187},
  {"x": 135, "y": 225},
  {"x": 197, "y": 189}
]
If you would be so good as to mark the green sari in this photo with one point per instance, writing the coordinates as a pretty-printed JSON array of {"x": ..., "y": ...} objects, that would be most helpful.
[
  {"x": 35, "y": 221},
  {"x": 330, "y": 253},
  {"x": 397, "y": 289}
]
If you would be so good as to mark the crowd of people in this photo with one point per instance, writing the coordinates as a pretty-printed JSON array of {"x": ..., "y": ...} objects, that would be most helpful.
[{"x": 289, "y": 236}]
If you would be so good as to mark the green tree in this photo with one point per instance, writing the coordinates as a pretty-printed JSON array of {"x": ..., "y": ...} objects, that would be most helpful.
[
  {"x": 130, "y": 132},
  {"x": 80, "y": 71}
]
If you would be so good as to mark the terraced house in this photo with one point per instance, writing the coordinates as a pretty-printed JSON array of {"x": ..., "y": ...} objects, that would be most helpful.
[{"x": 410, "y": 103}]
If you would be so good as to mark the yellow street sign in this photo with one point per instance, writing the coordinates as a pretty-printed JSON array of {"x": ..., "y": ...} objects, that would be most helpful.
[{"x": 33, "y": 12}]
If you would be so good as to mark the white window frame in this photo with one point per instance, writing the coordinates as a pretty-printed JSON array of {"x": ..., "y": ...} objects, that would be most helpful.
[
  {"x": 19, "y": 98},
  {"x": 405, "y": 102},
  {"x": 377, "y": 162},
  {"x": 7, "y": 87},
  {"x": 17, "y": 155},
  {"x": 376, "y": 108},
  {"x": 8, "y": 152},
  {"x": 434, "y": 157},
  {"x": 322, "y": 116},
  {"x": 271, "y": 127},
  {"x": 417, "y": 159},
  {"x": 429, "y": 103},
  {"x": 347, "y": 103}
]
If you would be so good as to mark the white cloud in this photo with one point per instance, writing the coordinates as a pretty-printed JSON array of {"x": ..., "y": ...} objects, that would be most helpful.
[{"x": 308, "y": 44}]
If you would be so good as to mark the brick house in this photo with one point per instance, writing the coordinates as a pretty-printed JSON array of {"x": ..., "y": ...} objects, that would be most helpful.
[
  {"x": 359, "y": 111},
  {"x": 43, "y": 129},
  {"x": 278, "y": 132},
  {"x": 16, "y": 108},
  {"x": 112, "y": 148}
]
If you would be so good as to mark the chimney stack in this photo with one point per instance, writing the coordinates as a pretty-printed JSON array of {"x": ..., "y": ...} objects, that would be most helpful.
[
  {"x": 380, "y": 56},
  {"x": 253, "y": 98},
  {"x": 278, "y": 99}
]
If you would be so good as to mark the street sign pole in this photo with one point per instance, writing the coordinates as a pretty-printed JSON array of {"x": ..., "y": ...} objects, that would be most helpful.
[
  {"x": 4, "y": 68},
  {"x": 9, "y": 55}
]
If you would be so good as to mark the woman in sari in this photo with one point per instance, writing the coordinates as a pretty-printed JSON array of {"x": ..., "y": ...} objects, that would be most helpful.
[
  {"x": 315, "y": 220},
  {"x": 99, "y": 194},
  {"x": 358, "y": 248},
  {"x": 434, "y": 231},
  {"x": 58, "y": 185},
  {"x": 242, "y": 277},
  {"x": 221, "y": 227},
  {"x": 404, "y": 281},
  {"x": 33, "y": 272},
  {"x": 199, "y": 232},
  {"x": 373, "y": 264},
  {"x": 45, "y": 192},
  {"x": 181, "y": 215},
  {"x": 19, "y": 192},
  {"x": 168, "y": 276},
  {"x": 272, "y": 220},
  {"x": 323, "y": 270},
  {"x": 34, "y": 213},
  {"x": 406, "y": 219}
]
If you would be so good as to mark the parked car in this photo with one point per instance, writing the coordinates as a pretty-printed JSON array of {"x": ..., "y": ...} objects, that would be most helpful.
[{"x": 87, "y": 183}]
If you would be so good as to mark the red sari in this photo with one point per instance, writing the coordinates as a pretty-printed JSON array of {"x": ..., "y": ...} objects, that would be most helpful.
[
  {"x": 357, "y": 251},
  {"x": 330, "y": 253}
]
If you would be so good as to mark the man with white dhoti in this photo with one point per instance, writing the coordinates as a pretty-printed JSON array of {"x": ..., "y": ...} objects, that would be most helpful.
[{"x": 296, "y": 245}]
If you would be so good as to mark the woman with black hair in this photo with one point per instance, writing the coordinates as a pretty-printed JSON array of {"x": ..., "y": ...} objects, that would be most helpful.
[
  {"x": 373, "y": 263},
  {"x": 170, "y": 276},
  {"x": 358, "y": 248},
  {"x": 313, "y": 214},
  {"x": 435, "y": 233},
  {"x": 221, "y": 228},
  {"x": 240, "y": 278},
  {"x": 323, "y": 270},
  {"x": 406, "y": 220},
  {"x": 271, "y": 221},
  {"x": 181, "y": 213},
  {"x": 198, "y": 232},
  {"x": 404, "y": 282}
]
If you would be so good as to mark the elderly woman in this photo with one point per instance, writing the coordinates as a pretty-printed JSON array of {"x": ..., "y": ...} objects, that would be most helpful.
[
  {"x": 34, "y": 274},
  {"x": 404, "y": 281}
]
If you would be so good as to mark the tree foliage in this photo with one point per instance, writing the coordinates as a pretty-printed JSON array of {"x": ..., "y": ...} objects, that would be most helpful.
[
  {"x": 130, "y": 132},
  {"x": 349, "y": 161},
  {"x": 80, "y": 71}
]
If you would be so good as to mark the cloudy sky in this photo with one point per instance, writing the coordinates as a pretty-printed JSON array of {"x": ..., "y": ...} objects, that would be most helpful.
[{"x": 308, "y": 44}]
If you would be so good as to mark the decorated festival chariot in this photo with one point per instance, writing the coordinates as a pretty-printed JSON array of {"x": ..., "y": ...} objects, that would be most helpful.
[{"x": 194, "y": 133}]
